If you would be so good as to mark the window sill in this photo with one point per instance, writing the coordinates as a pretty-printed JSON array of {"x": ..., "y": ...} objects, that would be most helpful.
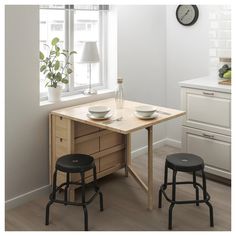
[{"x": 82, "y": 98}]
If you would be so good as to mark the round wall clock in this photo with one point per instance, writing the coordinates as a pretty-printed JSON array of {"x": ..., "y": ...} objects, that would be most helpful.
[{"x": 187, "y": 14}]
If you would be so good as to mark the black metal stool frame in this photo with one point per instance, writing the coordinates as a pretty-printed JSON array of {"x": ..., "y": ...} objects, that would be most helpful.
[
  {"x": 84, "y": 203},
  {"x": 173, "y": 201}
]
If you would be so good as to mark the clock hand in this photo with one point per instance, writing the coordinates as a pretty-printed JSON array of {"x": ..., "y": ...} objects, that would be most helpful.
[{"x": 185, "y": 14}]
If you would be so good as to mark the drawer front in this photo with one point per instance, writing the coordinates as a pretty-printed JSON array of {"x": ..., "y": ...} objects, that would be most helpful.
[
  {"x": 77, "y": 177},
  {"x": 110, "y": 140},
  {"x": 207, "y": 110},
  {"x": 62, "y": 147},
  {"x": 83, "y": 129},
  {"x": 62, "y": 127},
  {"x": 112, "y": 160},
  {"x": 88, "y": 147},
  {"x": 215, "y": 149}
]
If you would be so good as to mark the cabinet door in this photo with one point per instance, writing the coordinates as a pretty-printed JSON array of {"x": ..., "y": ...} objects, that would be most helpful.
[
  {"x": 207, "y": 110},
  {"x": 213, "y": 148}
]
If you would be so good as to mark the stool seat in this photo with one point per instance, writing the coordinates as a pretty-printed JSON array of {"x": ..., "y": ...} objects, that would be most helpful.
[
  {"x": 75, "y": 163},
  {"x": 184, "y": 162}
]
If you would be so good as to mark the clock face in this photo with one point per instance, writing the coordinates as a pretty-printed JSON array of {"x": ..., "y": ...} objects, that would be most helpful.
[{"x": 187, "y": 14}]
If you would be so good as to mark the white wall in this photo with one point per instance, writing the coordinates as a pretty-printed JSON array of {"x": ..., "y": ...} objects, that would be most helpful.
[
  {"x": 141, "y": 58},
  {"x": 187, "y": 57}
]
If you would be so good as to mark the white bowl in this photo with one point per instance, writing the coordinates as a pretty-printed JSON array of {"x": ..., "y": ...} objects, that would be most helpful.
[
  {"x": 99, "y": 111},
  {"x": 145, "y": 111}
]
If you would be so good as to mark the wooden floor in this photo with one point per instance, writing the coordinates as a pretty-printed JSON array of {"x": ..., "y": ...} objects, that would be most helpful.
[{"x": 125, "y": 206}]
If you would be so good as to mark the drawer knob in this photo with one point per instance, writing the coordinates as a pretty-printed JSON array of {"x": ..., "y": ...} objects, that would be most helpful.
[
  {"x": 60, "y": 117},
  {"x": 208, "y": 93},
  {"x": 61, "y": 139},
  {"x": 208, "y": 136}
]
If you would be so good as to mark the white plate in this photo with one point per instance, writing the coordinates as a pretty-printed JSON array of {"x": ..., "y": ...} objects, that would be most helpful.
[
  {"x": 153, "y": 116},
  {"x": 107, "y": 116}
]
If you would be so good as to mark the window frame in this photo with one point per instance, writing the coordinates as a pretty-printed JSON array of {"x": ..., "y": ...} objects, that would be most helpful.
[{"x": 70, "y": 89}]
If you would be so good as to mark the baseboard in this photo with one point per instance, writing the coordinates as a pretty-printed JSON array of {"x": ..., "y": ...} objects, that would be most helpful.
[
  {"x": 143, "y": 150},
  {"x": 23, "y": 198},
  {"x": 157, "y": 144},
  {"x": 173, "y": 142}
]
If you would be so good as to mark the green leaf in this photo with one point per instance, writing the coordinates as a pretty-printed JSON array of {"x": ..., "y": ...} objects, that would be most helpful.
[
  {"x": 69, "y": 70},
  {"x": 58, "y": 77},
  {"x": 55, "y": 41},
  {"x": 58, "y": 53},
  {"x": 65, "y": 81},
  {"x": 52, "y": 52},
  {"x": 57, "y": 65},
  {"x": 64, "y": 54},
  {"x": 45, "y": 72},
  {"x": 64, "y": 50},
  {"x": 42, "y": 68},
  {"x": 41, "y": 55},
  {"x": 49, "y": 75},
  {"x": 57, "y": 48},
  {"x": 73, "y": 52}
]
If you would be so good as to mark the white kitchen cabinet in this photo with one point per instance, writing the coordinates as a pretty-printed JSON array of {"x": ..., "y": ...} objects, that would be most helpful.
[{"x": 207, "y": 124}]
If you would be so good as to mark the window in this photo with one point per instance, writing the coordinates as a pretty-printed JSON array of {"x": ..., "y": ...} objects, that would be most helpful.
[{"x": 73, "y": 25}]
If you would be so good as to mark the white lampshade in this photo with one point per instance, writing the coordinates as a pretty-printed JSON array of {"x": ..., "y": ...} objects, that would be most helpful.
[{"x": 89, "y": 53}]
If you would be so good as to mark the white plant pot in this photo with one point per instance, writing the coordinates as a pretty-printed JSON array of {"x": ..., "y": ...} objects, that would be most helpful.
[{"x": 54, "y": 94}]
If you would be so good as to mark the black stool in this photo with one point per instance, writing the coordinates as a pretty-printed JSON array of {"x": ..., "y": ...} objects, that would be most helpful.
[
  {"x": 186, "y": 163},
  {"x": 74, "y": 163}
]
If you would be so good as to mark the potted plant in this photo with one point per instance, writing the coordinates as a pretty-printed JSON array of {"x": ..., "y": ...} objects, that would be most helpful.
[{"x": 56, "y": 72}]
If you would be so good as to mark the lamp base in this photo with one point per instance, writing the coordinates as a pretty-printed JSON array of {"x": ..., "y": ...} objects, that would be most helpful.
[{"x": 90, "y": 91}]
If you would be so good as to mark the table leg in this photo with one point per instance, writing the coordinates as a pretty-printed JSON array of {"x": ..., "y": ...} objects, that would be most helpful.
[
  {"x": 150, "y": 167},
  {"x": 127, "y": 153}
]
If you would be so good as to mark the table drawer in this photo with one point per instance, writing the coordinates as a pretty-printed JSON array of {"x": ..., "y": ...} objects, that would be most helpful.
[
  {"x": 62, "y": 127},
  {"x": 87, "y": 147},
  {"x": 208, "y": 110},
  {"x": 83, "y": 129},
  {"x": 62, "y": 147},
  {"x": 214, "y": 148},
  {"x": 112, "y": 160},
  {"x": 110, "y": 140}
]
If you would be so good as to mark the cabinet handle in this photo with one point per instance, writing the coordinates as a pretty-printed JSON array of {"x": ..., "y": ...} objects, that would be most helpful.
[
  {"x": 208, "y": 136},
  {"x": 208, "y": 93},
  {"x": 61, "y": 139},
  {"x": 60, "y": 117}
]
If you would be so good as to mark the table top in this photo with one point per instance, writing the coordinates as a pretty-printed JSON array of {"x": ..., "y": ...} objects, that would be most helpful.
[{"x": 128, "y": 124}]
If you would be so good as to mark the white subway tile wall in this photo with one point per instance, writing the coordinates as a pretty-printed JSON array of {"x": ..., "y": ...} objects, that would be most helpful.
[{"x": 219, "y": 34}]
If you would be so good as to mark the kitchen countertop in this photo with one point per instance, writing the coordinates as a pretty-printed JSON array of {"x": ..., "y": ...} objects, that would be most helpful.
[{"x": 207, "y": 82}]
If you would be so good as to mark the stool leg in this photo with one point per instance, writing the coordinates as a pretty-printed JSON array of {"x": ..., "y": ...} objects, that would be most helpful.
[
  {"x": 173, "y": 198},
  {"x": 205, "y": 198},
  {"x": 97, "y": 188},
  {"x": 196, "y": 188},
  {"x": 170, "y": 215},
  {"x": 165, "y": 177},
  {"x": 164, "y": 186},
  {"x": 84, "y": 204},
  {"x": 66, "y": 188},
  {"x": 160, "y": 198},
  {"x": 54, "y": 186}
]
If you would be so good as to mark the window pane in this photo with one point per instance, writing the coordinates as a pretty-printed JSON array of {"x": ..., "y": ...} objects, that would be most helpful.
[
  {"x": 52, "y": 24},
  {"x": 86, "y": 28}
]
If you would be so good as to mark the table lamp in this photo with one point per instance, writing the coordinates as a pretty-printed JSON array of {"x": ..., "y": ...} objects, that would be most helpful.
[{"x": 89, "y": 54}]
